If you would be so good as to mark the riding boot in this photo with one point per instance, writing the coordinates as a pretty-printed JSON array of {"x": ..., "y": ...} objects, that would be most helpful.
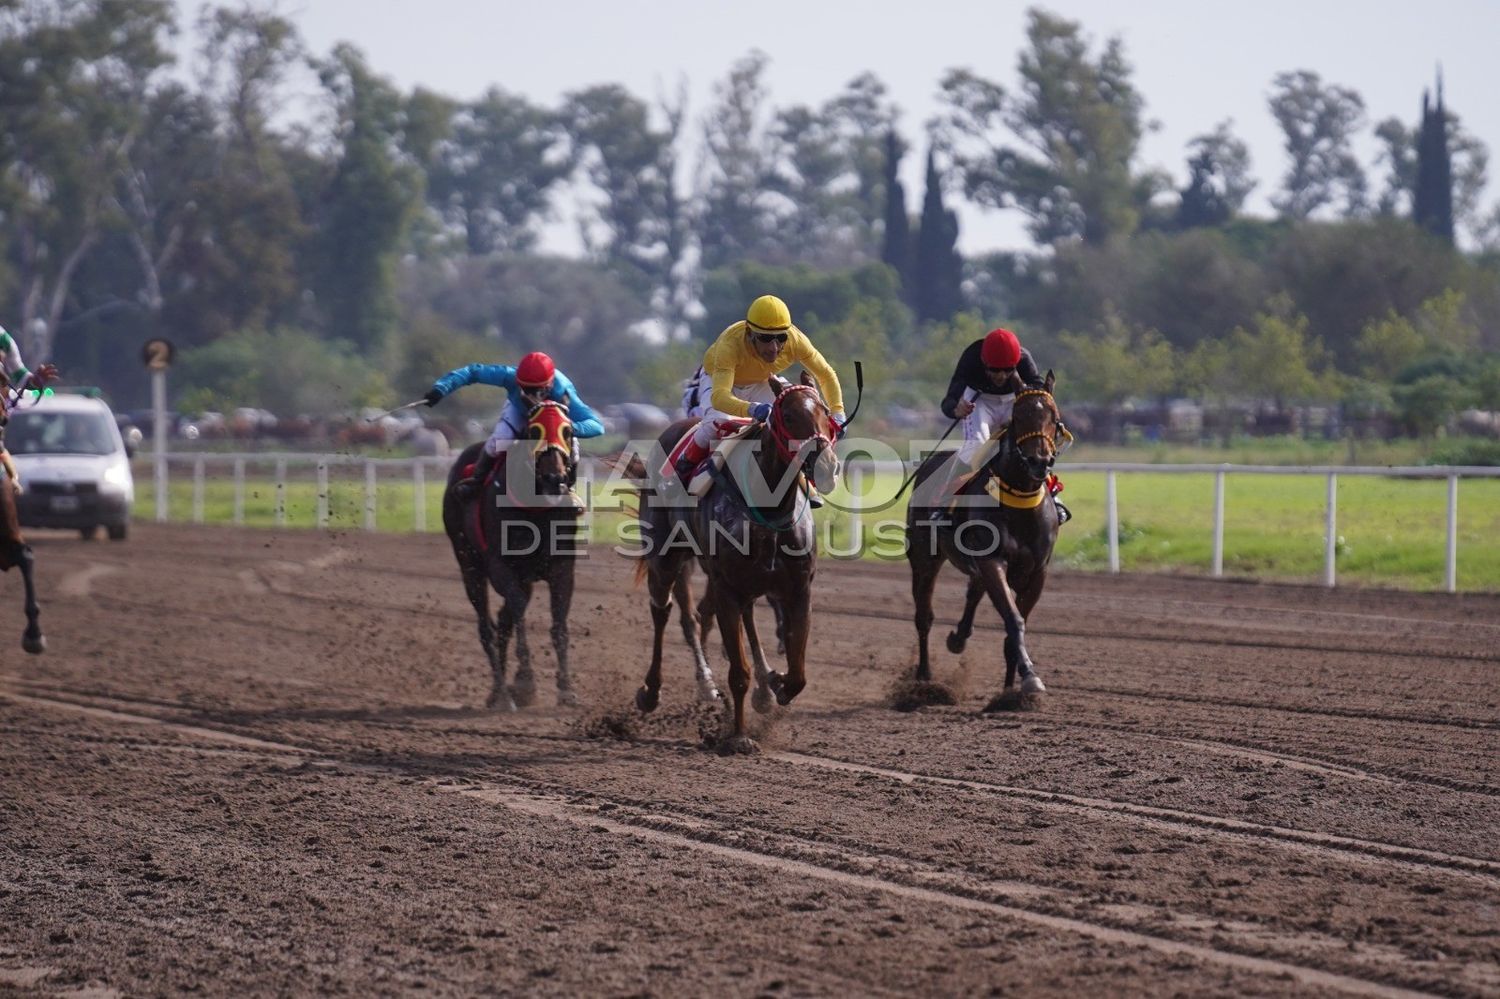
[
  {"x": 950, "y": 490},
  {"x": 692, "y": 456},
  {"x": 1063, "y": 513},
  {"x": 469, "y": 486}
]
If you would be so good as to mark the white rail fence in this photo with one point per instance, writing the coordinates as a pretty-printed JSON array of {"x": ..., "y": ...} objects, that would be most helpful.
[{"x": 417, "y": 470}]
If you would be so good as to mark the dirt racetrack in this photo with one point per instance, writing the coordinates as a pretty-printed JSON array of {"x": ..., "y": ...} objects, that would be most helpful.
[{"x": 256, "y": 762}]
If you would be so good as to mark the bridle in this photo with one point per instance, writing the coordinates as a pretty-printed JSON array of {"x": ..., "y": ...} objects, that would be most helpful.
[
  {"x": 555, "y": 434},
  {"x": 782, "y": 437},
  {"x": 1059, "y": 428}
]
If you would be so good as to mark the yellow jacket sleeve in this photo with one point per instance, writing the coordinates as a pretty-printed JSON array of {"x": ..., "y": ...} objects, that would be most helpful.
[
  {"x": 828, "y": 380},
  {"x": 721, "y": 362}
]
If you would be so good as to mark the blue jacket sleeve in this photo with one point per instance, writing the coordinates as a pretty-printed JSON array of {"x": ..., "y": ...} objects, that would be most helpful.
[
  {"x": 499, "y": 375},
  {"x": 586, "y": 422}
]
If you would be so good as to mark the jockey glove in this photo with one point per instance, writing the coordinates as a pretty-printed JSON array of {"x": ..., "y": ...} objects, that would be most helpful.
[
  {"x": 760, "y": 411},
  {"x": 433, "y": 397},
  {"x": 838, "y": 420}
]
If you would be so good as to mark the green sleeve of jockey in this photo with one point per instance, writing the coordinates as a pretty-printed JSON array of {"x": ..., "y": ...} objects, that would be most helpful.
[{"x": 10, "y": 356}]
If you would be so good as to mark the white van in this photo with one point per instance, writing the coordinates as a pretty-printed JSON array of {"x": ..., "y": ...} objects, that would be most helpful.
[{"x": 74, "y": 467}]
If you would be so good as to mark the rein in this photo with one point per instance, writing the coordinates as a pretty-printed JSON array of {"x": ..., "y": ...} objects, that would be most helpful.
[{"x": 780, "y": 435}]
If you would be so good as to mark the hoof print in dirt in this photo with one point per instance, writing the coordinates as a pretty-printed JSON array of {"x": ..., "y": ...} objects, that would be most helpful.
[
  {"x": 738, "y": 745},
  {"x": 611, "y": 725},
  {"x": 914, "y": 694},
  {"x": 1015, "y": 700}
]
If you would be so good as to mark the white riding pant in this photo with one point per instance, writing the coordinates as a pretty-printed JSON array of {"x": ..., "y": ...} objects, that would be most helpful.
[
  {"x": 708, "y": 429},
  {"x": 991, "y": 412},
  {"x": 507, "y": 428}
]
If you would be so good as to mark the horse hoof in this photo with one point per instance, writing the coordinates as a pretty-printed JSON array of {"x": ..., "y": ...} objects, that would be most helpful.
[
  {"x": 523, "y": 694},
  {"x": 955, "y": 643},
  {"x": 761, "y": 700},
  {"x": 646, "y": 699},
  {"x": 1033, "y": 685},
  {"x": 710, "y": 694},
  {"x": 499, "y": 700},
  {"x": 36, "y": 645},
  {"x": 738, "y": 745},
  {"x": 566, "y": 698}
]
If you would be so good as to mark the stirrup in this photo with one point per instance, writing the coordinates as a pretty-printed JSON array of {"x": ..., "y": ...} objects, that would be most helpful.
[
  {"x": 466, "y": 487},
  {"x": 1063, "y": 513}
]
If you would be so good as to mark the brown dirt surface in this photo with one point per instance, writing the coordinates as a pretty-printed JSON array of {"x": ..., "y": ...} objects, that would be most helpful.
[{"x": 258, "y": 762}]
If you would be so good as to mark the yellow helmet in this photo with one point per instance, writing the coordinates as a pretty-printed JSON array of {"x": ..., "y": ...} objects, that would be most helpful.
[{"x": 769, "y": 313}]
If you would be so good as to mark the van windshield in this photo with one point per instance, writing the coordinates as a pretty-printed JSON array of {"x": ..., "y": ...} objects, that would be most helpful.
[{"x": 59, "y": 433}]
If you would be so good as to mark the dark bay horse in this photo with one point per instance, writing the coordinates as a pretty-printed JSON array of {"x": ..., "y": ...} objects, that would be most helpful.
[
  {"x": 752, "y": 533},
  {"x": 520, "y": 530},
  {"x": 1003, "y": 544},
  {"x": 14, "y": 551}
]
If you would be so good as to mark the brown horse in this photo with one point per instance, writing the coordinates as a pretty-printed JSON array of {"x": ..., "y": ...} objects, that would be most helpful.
[
  {"x": 14, "y": 551},
  {"x": 1003, "y": 547},
  {"x": 753, "y": 535},
  {"x": 520, "y": 530}
]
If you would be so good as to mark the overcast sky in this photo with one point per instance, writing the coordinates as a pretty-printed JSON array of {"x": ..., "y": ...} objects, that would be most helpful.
[{"x": 1196, "y": 62}]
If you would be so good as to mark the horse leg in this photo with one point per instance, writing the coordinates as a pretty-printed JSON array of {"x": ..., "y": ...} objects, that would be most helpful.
[
  {"x": 708, "y": 691},
  {"x": 797, "y": 620},
  {"x": 780, "y": 624},
  {"x": 32, "y": 639},
  {"x": 959, "y": 636},
  {"x": 761, "y": 699},
  {"x": 924, "y": 574},
  {"x": 992, "y": 573},
  {"x": 661, "y": 577},
  {"x": 730, "y": 615},
  {"x": 478, "y": 590},
  {"x": 523, "y": 688},
  {"x": 560, "y": 590},
  {"x": 706, "y": 612}
]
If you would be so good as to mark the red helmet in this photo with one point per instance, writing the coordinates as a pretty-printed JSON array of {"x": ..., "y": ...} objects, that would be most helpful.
[
  {"x": 535, "y": 370},
  {"x": 1001, "y": 349}
]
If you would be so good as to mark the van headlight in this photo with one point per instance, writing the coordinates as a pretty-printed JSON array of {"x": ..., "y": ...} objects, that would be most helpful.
[{"x": 116, "y": 479}]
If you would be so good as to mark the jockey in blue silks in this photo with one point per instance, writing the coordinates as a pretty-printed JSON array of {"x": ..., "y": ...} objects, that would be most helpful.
[{"x": 536, "y": 379}]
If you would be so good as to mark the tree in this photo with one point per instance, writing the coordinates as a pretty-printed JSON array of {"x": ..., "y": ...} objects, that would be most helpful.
[
  {"x": 1117, "y": 362},
  {"x": 895, "y": 245},
  {"x": 493, "y": 175},
  {"x": 367, "y": 205},
  {"x": 633, "y": 165},
  {"x": 1079, "y": 120},
  {"x": 735, "y": 217},
  {"x": 1277, "y": 358},
  {"x": 73, "y": 79},
  {"x": 1432, "y": 199},
  {"x": 249, "y": 274},
  {"x": 1318, "y": 123},
  {"x": 1219, "y": 179},
  {"x": 937, "y": 267}
]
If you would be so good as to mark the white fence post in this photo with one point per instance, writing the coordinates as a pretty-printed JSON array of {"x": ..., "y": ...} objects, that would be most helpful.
[
  {"x": 1451, "y": 576},
  {"x": 1113, "y": 513},
  {"x": 322, "y": 494},
  {"x": 1330, "y": 548},
  {"x": 197, "y": 490},
  {"x": 369, "y": 496},
  {"x": 419, "y": 495},
  {"x": 1219, "y": 522},
  {"x": 239, "y": 490},
  {"x": 280, "y": 491}
]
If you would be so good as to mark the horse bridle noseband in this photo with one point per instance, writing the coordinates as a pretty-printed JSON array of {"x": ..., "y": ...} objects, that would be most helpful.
[
  {"x": 1060, "y": 429},
  {"x": 780, "y": 436}
]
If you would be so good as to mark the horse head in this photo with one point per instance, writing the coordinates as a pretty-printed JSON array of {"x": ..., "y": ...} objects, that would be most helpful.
[
  {"x": 550, "y": 432},
  {"x": 1035, "y": 426},
  {"x": 802, "y": 431}
]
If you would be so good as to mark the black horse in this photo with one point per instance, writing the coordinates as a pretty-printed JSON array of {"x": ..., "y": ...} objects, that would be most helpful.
[
  {"x": 1000, "y": 534},
  {"x": 520, "y": 530},
  {"x": 14, "y": 551},
  {"x": 752, "y": 541}
]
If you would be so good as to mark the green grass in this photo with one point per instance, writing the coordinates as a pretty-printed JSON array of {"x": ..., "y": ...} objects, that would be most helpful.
[{"x": 1391, "y": 531}]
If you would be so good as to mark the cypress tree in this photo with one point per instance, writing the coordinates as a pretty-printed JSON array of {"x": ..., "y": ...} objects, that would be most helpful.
[
  {"x": 895, "y": 247},
  {"x": 1432, "y": 204},
  {"x": 937, "y": 272}
]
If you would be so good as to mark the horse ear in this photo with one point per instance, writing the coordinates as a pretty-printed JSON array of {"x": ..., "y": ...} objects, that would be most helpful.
[
  {"x": 778, "y": 385},
  {"x": 807, "y": 379},
  {"x": 1049, "y": 382}
]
